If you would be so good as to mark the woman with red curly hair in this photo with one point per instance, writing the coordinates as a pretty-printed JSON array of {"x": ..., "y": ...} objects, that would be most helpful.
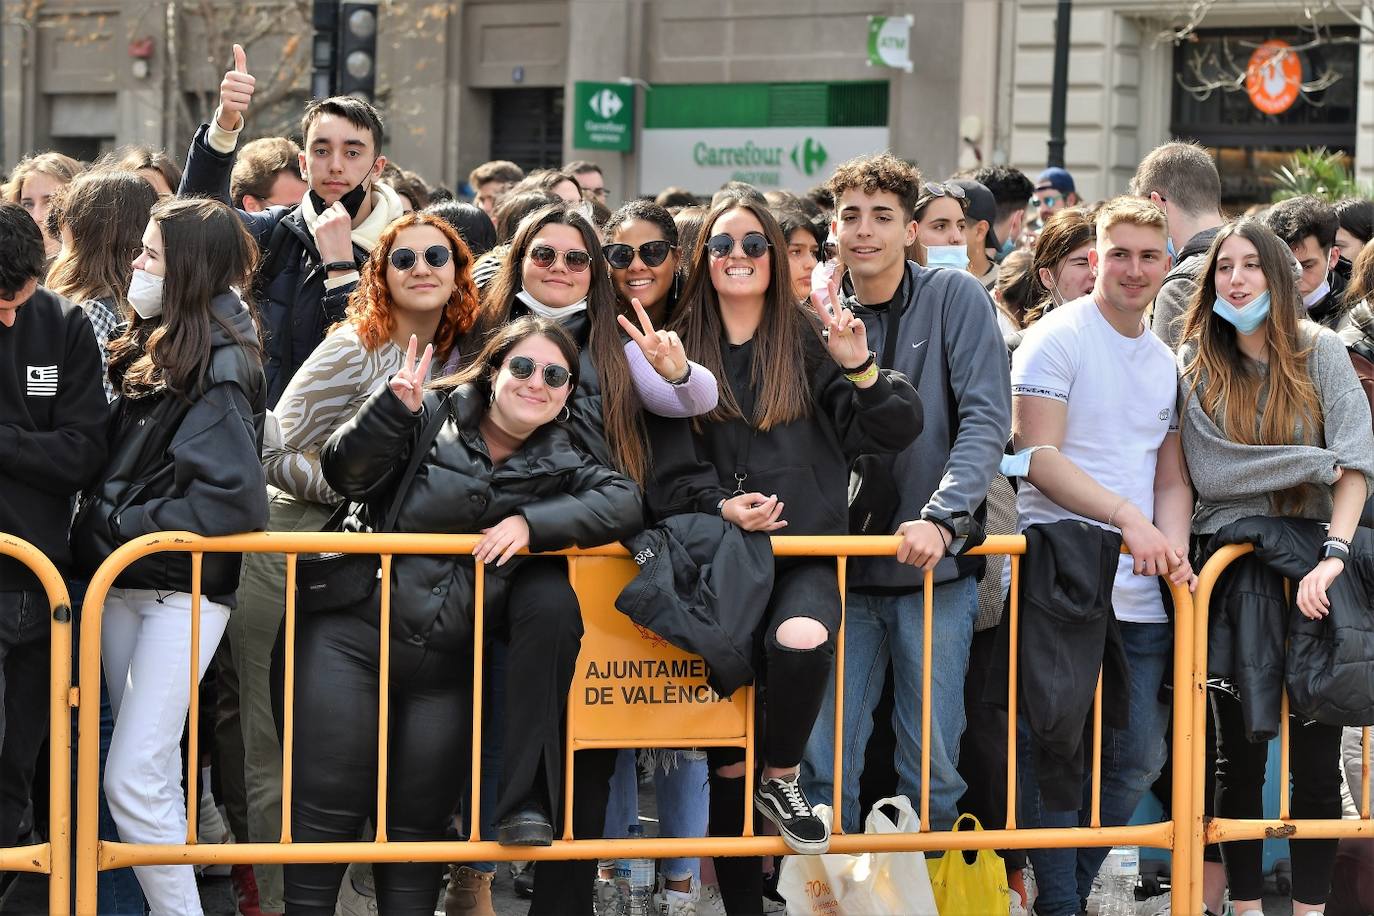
[{"x": 418, "y": 282}]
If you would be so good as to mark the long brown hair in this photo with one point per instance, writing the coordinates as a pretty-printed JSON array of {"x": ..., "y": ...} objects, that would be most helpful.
[
  {"x": 206, "y": 251},
  {"x": 106, "y": 211},
  {"x": 778, "y": 370},
  {"x": 1227, "y": 388},
  {"x": 370, "y": 308},
  {"x": 620, "y": 407},
  {"x": 1361, "y": 286},
  {"x": 1065, "y": 232}
]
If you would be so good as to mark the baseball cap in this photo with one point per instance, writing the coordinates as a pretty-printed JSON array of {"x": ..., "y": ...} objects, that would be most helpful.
[
  {"x": 1057, "y": 178},
  {"x": 981, "y": 205}
]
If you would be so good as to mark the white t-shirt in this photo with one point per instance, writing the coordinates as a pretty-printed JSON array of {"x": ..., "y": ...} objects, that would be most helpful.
[{"x": 1121, "y": 395}]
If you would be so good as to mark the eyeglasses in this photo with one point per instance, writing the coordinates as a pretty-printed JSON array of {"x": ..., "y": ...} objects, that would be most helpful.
[
  {"x": 575, "y": 259},
  {"x": 522, "y": 367},
  {"x": 436, "y": 256},
  {"x": 754, "y": 245},
  {"x": 937, "y": 189},
  {"x": 622, "y": 256}
]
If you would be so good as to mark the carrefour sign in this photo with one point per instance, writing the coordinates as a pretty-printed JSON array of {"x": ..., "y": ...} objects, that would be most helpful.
[{"x": 795, "y": 158}]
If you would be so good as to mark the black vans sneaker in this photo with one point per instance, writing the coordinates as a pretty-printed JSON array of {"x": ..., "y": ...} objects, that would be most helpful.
[{"x": 781, "y": 801}]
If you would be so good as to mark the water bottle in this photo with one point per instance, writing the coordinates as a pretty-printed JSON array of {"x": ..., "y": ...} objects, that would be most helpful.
[
  {"x": 1118, "y": 877},
  {"x": 634, "y": 879}
]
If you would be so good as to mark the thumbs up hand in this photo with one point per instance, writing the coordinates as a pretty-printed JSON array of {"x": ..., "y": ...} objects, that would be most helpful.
[{"x": 235, "y": 92}]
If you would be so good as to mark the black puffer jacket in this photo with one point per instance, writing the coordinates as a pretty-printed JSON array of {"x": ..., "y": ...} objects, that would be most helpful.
[
  {"x": 179, "y": 465},
  {"x": 1328, "y": 665},
  {"x": 564, "y": 496}
]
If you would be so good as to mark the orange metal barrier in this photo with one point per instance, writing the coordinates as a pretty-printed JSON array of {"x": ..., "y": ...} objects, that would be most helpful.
[
  {"x": 1217, "y": 829},
  {"x": 597, "y": 574},
  {"x": 52, "y": 858}
]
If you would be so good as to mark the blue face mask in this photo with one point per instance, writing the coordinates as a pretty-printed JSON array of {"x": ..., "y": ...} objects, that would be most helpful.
[
  {"x": 1245, "y": 320},
  {"x": 955, "y": 256},
  {"x": 1007, "y": 248},
  {"x": 1169, "y": 247}
]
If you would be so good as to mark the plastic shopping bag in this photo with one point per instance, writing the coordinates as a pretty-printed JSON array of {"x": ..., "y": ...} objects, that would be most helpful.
[
  {"x": 973, "y": 886},
  {"x": 869, "y": 884}
]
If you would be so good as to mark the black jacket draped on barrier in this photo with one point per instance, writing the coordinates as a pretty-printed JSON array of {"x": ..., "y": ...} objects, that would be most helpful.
[
  {"x": 1068, "y": 633},
  {"x": 703, "y": 585},
  {"x": 564, "y": 496},
  {"x": 1327, "y": 664}
]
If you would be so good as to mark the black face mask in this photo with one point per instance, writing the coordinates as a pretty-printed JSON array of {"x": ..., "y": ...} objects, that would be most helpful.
[{"x": 352, "y": 201}]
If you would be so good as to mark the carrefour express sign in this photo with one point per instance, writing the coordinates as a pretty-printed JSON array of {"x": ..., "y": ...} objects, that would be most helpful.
[{"x": 795, "y": 158}]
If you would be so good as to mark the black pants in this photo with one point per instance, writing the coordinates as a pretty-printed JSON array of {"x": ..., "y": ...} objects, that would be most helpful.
[
  {"x": 335, "y": 762},
  {"x": 24, "y": 670},
  {"x": 793, "y": 684},
  {"x": 983, "y": 748},
  {"x": 1314, "y": 757}
]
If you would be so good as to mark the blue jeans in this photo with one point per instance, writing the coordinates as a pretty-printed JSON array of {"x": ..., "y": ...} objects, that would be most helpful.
[
  {"x": 883, "y": 627},
  {"x": 1131, "y": 761},
  {"x": 680, "y": 784}
]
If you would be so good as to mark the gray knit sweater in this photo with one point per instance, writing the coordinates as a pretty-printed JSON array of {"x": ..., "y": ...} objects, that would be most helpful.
[{"x": 1234, "y": 481}]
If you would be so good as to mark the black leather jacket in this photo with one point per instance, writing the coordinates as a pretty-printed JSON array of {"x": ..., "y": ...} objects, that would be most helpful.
[
  {"x": 564, "y": 496},
  {"x": 1259, "y": 641},
  {"x": 184, "y": 465}
]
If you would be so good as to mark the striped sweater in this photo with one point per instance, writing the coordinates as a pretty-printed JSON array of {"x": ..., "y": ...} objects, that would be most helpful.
[{"x": 327, "y": 390}]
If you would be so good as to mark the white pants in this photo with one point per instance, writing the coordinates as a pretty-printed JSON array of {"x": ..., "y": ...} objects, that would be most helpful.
[{"x": 146, "y": 647}]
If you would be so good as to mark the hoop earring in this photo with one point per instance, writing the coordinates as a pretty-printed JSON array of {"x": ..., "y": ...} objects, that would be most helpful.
[{"x": 564, "y": 415}]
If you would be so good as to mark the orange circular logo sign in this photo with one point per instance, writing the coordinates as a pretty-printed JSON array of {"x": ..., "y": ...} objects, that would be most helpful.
[{"x": 1273, "y": 77}]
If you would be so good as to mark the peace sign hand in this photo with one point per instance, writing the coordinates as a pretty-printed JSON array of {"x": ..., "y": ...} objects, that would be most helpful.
[
  {"x": 845, "y": 336},
  {"x": 235, "y": 92},
  {"x": 663, "y": 349},
  {"x": 408, "y": 384}
]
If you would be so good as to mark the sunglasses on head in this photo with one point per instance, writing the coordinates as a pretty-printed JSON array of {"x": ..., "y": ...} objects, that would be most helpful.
[
  {"x": 522, "y": 367},
  {"x": 575, "y": 259},
  {"x": 938, "y": 189},
  {"x": 436, "y": 256},
  {"x": 621, "y": 256},
  {"x": 754, "y": 245}
]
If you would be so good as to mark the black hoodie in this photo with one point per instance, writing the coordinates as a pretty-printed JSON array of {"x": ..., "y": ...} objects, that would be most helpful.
[
  {"x": 52, "y": 426},
  {"x": 185, "y": 466}
]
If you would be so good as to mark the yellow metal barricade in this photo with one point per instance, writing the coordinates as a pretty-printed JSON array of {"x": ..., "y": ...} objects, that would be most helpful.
[
  {"x": 1217, "y": 829},
  {"x": 597, "y": 575},
  {"x": 52, "y": 858}
]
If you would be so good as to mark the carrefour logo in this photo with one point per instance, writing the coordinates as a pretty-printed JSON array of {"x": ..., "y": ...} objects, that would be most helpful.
[
  {"x": 606, "y": 104},
  {"x": 808, "y": 156}
]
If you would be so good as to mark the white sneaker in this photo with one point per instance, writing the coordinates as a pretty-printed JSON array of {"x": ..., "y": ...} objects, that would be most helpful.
[
  {"x": 669, "y": 902},
  {"x": 709, "y": 903},
  {"x": 354, "y": 900}
]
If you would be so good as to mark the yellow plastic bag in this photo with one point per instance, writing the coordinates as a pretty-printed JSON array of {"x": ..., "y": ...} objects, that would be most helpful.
[{"x": 972, "y": 882}]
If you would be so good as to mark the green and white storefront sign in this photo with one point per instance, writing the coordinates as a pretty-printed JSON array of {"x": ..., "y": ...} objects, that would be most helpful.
[
  {"x": 604, "y": 117},
  {"x": 889, "y": 41},
  {"x": 772, "y": 135}
]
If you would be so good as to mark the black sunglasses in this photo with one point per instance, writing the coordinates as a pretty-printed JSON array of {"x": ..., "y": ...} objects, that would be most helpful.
[
  {"x": 522, "y": 367},
  {"x": 621, "y": 256},
  {"x": 754, "y": 244},
  {"x": 436, "y": 256},
  {"x": 575, "y": 259}
]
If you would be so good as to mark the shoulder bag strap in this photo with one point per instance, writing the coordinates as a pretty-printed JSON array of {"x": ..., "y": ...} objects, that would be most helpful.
[{"x": 427, "y": 437}]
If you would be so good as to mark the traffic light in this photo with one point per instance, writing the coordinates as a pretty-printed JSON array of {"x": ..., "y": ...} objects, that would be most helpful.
[
  {"x": 326, "y": 23},
  {"x": 356, "y": 62}
]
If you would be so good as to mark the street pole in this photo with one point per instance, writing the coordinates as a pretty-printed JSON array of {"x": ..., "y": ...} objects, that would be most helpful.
[{"x": 1059, "y": 91}]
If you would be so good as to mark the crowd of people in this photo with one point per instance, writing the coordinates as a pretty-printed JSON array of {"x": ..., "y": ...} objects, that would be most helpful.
[{"x": 302, "y": 338}]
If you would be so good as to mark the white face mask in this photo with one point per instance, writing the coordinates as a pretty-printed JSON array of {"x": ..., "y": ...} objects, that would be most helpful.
[
  {"x": 955, "y": 256},
  {"x": 548, "y": 311},
  {"x": 145, "y": 293}
]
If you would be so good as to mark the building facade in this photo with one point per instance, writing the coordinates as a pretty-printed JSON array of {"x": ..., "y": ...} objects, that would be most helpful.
[{"x": 775, "y": 92}]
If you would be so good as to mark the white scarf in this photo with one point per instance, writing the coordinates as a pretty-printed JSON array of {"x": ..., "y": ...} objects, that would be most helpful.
[{"x": 545, "y": 311}]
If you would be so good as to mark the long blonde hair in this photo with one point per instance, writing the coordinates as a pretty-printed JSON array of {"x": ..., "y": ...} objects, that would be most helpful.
[{"x": 1227, "y": 388}]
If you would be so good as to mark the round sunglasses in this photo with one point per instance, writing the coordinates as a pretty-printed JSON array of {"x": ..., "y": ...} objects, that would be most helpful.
[
  {"x": 575, "y": 259},
  {"x": 754, "y": 245},
  {"x": 621, "y": 256},
  {"x": 522, "y": 367},
  {"x": 436, "y": 256}
]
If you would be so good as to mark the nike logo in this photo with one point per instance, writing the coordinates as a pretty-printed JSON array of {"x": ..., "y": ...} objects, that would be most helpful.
[{"x": 917, "y": 346}]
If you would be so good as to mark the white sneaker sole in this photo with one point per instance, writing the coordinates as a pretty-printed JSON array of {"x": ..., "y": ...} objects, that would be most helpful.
[{"x": 801, "y": 847}]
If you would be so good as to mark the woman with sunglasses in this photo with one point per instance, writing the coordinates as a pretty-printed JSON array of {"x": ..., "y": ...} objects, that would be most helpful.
[
  {"x": 501, "y": 462},
  {"x": 416, "y": 282},
  {"x": 941, "y": 221},
  {"x": 802, "y": 397}
]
